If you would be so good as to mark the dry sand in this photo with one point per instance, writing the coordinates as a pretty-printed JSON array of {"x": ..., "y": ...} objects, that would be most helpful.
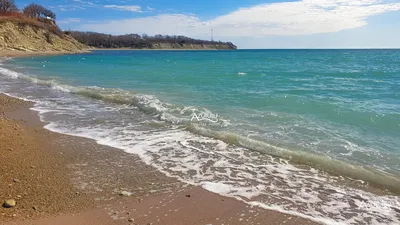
[{"x": 60, "y": 179}]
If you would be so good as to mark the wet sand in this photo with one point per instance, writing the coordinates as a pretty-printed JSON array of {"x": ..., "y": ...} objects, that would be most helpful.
[{"x": 60, "y": 179}]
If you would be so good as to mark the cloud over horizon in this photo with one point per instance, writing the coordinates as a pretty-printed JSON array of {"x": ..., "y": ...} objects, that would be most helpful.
[
  {"x": 132, "y": 8},
  {"x": 304, "y": 17}
]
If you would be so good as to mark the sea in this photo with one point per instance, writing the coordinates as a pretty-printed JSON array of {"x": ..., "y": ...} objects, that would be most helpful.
[{"x": 312, "y": 133}]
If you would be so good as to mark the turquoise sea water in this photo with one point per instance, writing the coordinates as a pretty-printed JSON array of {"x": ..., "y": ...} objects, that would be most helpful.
[{"x": 279, "y": 129}]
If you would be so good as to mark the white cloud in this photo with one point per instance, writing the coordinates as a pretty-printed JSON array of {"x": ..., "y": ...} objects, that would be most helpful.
[
  {"x": 69, "y": 21},
  {"x": 289, "y": 18},
  {"x": 149, "y": 8},
  {"x": 132, "y": 8},
  {"x": 84, "y": 2}
]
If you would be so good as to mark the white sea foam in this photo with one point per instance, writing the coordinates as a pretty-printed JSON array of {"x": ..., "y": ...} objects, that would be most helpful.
[
  {"x": 9, "y": 73},
  {"x": 252, "y": 178}
]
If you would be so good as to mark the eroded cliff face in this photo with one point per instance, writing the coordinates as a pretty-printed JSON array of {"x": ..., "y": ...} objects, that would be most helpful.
[{"x": 19, "y": 36}]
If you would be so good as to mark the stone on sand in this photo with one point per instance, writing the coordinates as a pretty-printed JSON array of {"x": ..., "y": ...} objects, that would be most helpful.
[
  {"x": 125, "y": 193},
  {"x": 9, "y": 203}
]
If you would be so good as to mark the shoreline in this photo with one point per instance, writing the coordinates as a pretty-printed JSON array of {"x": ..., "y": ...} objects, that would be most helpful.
[
  {"x": 93, "y": 177},
  {"x": 16, "y": 53},
  {"x": 161, "y": 49},
  {"x": 11, "y": 53}
]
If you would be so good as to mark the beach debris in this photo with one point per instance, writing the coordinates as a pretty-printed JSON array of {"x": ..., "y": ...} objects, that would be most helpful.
[
  {"x": 9, "y": 203},
  {"x": 19, "y": 196},
  {"x": 34, "y": 208},
  {"x": 125, "y": 193},
  {"x": 187, "y": 196},
  {"x": 131, "y": 220},
  {"x": 16, "y": 180}
]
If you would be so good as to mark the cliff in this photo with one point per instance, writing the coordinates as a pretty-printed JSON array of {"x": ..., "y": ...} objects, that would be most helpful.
[{"x": 30, "y": 35}]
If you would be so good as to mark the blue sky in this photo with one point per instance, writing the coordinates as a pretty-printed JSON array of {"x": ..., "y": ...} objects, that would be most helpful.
[{"x": 248, "y": 24}]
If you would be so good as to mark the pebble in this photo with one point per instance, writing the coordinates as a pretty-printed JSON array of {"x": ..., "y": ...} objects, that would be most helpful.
[
  {"x": 131, "y": 220},
  {"x": 16, "y": 180},
  {"x": 34, "y": 208},
  {"x": 125, "y": 193},
  {"x": 9, "y": 203}
]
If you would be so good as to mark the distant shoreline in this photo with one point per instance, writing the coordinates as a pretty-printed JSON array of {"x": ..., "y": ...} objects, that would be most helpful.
[
  {"x": 11, "y": 53},
  {"x": 152, "y": 49}
]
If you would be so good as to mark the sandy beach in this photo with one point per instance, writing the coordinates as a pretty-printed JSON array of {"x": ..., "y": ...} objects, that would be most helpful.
[{"x": 60, "y": 179}]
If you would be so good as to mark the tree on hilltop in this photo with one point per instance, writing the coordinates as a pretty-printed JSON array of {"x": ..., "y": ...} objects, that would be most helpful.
[
  {"x": 33, "y": 10},
  {"x": 8, "y": 6},
  {"x": 38, "y": 11},
  {"x": 48, "y": 13}
]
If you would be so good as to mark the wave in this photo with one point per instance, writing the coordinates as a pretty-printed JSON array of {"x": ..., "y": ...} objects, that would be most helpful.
[
  {"x": 147, "y": 103},
  {"x": 188, "y": 116},
  {"x": 378, "y": 179}
]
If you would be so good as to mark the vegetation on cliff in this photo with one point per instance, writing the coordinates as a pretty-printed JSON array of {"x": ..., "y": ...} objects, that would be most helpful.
[
  {"x": 144, "y": 41},
  {"x": 8, "y": 7},
  {"x": 34, "y": 29},
  {"x": 19, "y": 35}
]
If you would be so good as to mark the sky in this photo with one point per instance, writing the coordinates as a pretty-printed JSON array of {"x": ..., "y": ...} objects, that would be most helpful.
[{"x": 254, "y": 24}]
